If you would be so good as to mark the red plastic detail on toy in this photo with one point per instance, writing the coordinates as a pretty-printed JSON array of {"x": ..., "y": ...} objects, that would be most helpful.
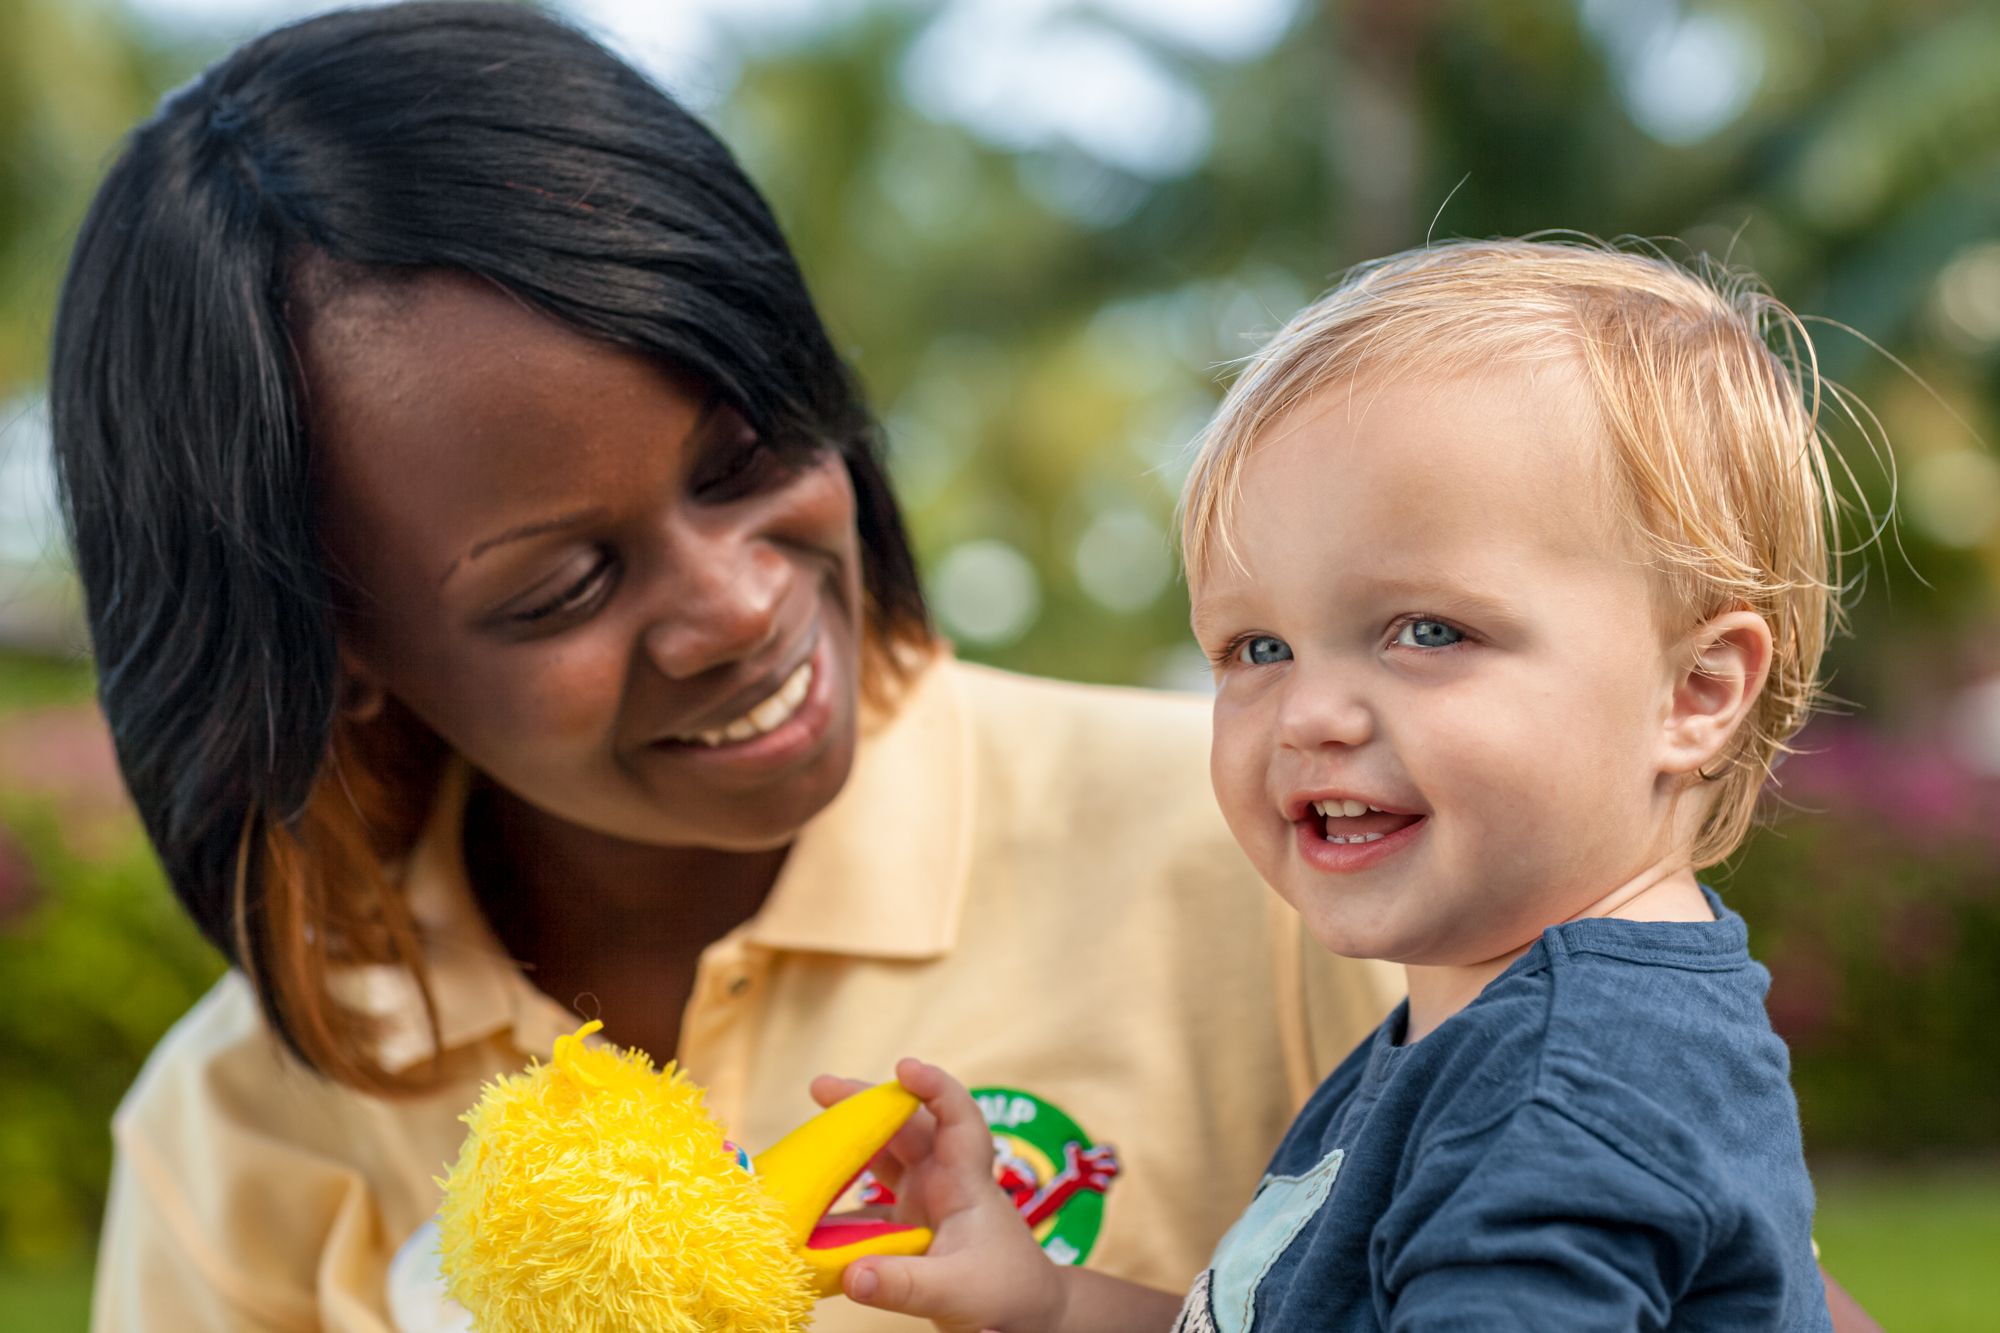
[{"x": 838, "y": 1231}]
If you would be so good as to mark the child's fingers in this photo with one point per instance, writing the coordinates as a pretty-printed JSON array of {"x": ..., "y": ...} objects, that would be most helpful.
[
  {"x": 961, "y": 1135},
  {"x": 923, "y": 1287},
  {"x": 910, "y": 1144},
  {"x": 958, "y": 1175},
  {"x": 830, "y": 1088}
]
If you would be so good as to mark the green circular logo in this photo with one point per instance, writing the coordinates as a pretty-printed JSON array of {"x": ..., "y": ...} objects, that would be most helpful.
[{"x": 1056, "y": 1176}]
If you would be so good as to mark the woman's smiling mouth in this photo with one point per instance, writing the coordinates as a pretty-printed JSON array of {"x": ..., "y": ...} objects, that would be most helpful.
[
  {"x": 765, "y": 716},
  {"x": 786, "y": 726}
]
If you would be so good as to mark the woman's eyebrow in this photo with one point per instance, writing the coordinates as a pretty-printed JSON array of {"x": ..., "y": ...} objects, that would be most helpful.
[{"x": 570, "y": 520}]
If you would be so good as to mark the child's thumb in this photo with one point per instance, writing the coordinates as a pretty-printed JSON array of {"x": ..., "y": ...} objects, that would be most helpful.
[{"x": 910, "y": 1286}]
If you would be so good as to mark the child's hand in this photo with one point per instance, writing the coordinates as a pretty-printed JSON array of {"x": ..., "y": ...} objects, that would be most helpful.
[{"x": 984, "y": 1269}]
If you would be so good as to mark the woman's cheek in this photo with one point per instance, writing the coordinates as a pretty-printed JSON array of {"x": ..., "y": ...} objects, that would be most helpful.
[
  {"x": 573, "y": 693},
  {"x": 529, "y": 698}
]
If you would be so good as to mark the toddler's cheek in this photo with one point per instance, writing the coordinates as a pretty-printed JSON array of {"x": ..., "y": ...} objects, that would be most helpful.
[{"x": 1237, "y": 771}]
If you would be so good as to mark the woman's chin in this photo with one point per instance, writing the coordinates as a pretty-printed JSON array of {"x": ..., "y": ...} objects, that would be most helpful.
[{"x": 773, "y": 819}]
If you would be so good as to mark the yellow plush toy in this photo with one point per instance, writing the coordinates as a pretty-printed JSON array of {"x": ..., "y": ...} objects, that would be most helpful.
[{"x": 595, "y": 1194}]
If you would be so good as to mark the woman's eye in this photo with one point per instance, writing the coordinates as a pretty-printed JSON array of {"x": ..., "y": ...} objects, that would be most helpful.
[
  {"x": 752, "y": 464},
  {"x": 574, "y": 597},
  {"x": 1262, "y": 650},
  {"x": 739, "y": 473},
  {"x": 1428, "y": 634}
]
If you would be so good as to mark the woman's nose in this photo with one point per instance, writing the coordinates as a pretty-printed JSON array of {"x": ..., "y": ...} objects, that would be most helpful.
[
  {"x": 719, "y": 605},
  {"x": 1319, "y": 710}
]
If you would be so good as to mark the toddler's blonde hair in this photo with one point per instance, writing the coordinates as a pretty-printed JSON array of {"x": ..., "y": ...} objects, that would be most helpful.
[{"x": 1707, "y": 389}]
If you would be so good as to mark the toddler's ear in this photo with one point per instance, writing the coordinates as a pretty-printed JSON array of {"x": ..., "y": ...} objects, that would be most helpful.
[{"x": 1721, "y": 666}]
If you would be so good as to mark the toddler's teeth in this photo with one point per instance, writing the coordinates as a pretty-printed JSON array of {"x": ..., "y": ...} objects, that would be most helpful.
[{"x": 1344, "y": 809}]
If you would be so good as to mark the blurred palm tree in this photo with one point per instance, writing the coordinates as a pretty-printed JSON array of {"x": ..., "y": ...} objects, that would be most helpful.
[
  {"x": 1045, "y": 325},
  {"x": 74, "y": 76},
  {"x": 1047, "y": 319}
]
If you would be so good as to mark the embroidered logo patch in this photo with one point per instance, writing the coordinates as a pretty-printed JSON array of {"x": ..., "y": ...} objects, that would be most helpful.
[{"x": 1056, "y": 1176}]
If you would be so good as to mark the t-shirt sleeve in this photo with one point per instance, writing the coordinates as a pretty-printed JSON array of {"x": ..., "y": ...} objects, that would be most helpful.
[{"x": 1535, "y": 1223}]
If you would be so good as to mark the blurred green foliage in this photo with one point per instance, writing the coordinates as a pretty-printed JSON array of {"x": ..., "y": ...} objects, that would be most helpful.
[
  {"x": 95, "y": 970},
  {"x": 1045, "y": 330},
  {"x": 1875, "y": 902},
  {"x": 96, "y": 958},
  {"x": 1044, "y": 327}
]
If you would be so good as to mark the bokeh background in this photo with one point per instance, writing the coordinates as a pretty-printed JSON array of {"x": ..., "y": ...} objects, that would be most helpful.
[{"x": 1044, "y": 230}]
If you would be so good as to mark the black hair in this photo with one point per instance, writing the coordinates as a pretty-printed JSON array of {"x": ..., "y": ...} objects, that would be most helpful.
[{"x": 486, "y": 138}]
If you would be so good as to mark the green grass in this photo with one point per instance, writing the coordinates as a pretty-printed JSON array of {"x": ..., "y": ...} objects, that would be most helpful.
[{"x": 1917, "y": 1247}]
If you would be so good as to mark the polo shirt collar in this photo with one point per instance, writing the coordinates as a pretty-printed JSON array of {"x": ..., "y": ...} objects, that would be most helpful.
[{"x": 880, "y": 873}]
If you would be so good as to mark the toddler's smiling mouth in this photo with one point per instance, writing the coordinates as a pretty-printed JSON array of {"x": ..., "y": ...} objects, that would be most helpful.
[
  {"x": 1343, "y": 833},
  {"x": 1351, "y": 821}
]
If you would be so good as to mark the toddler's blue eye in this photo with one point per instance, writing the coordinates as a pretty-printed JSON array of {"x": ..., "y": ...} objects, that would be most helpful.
[
  {"x": 1262, "y": 650},
  {"x": 1428, "y": 634}
]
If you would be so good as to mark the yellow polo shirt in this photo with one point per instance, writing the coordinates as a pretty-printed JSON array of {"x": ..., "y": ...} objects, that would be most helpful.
[{"x": 1023, "y": 880}]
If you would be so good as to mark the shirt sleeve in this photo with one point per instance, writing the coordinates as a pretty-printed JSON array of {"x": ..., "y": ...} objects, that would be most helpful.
[
  {"x": 164, "y": 1267},
  {"x": 1536, "y": 1223},
  {"x": 152, "y": 1274},
  {"x": 222, "y": 1215}
]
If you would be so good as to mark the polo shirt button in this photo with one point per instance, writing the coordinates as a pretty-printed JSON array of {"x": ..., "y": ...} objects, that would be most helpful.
[{"x": 740, "y": 986}]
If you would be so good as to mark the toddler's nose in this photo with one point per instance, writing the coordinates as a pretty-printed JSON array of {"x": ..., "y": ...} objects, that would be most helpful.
[{"x": 1317, "y": 712}]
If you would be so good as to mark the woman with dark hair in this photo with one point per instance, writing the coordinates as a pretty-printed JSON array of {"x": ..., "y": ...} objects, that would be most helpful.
[{"x": 502, "y": 616}]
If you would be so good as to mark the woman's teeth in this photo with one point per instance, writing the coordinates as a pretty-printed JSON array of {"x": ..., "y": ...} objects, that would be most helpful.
[
  {"x": 765, "y": 716},
  {"x": 1344, "y": 809}
]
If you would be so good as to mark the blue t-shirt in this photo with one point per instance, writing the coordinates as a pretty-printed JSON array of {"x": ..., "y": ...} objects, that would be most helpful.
[{"x": 1604, "y": 1139}]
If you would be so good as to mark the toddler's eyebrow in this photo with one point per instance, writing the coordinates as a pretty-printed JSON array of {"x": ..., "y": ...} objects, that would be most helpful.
[
  {"x": 1442, "y": 592},
  {"x": 1208, "y": 611}
]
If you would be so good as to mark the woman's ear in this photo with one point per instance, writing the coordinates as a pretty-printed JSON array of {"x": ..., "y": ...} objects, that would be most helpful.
[
  {"x": 362, "y": 697},
  {"x": 1721, "y": 668}
]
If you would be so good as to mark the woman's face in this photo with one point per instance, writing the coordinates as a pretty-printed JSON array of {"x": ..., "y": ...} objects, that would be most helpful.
[{"x": 590, "y": 578}]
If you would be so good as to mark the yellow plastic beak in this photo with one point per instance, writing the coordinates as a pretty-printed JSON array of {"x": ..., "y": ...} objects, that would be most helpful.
[{"x": 807, "y": 1169}]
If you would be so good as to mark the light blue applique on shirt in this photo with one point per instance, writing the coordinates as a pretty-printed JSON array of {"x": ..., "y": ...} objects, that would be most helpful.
[{"x": 1284, "y": 1204}]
